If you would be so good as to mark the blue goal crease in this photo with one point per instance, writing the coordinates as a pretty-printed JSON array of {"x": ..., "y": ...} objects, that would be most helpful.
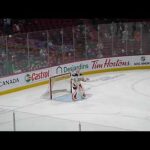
[{"x": 67, "y": 98}]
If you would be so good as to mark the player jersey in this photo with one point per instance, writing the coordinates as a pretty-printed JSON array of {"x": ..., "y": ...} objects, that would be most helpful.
[{"x": 77, "y": 77}]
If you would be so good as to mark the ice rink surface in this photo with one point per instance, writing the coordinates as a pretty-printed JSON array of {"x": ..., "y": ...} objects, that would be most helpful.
[{"x": 115, "y": 101}]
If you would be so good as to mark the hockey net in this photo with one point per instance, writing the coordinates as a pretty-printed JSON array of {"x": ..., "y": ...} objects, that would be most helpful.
[{"x": 60, "y": 85}]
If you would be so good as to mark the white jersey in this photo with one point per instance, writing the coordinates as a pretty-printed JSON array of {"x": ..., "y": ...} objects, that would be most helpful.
[{"x": 77, "y": 78}]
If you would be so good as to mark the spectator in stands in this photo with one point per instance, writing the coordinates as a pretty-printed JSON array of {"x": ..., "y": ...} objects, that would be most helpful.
[
  {"x": 1, "y": 69},
  {"x": 145, "y": 27},
  {"x": 133, "y": 29},
  {"x": 7, "y": 25},
  {"x": 50, "y": 44},
  {"x": 123, "y": 52},
  {"x": 120, "y": 29},
  {"x": 124, "y": 36},
  {"x": 43, "y": 54},
  {"x": 137, "y": 36},
  {"x": 3, "y": 55},
  {"x": 3, "y": 59},
  {"x": 112, "y": 29},
  {"x": 16, "y": 28},
  {"x": 117, "y": 29},
  {"x": 100, "y": 47}
]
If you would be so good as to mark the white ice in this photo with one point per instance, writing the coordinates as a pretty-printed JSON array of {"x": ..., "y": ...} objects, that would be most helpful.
[{"x": 115, "y": 101}]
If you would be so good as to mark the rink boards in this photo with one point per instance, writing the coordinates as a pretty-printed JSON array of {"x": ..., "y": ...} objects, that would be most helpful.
[{"x": 39, "y": 77}]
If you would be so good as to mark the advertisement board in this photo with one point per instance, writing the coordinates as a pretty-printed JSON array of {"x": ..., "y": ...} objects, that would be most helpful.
[{"x": 38, "y": 76}]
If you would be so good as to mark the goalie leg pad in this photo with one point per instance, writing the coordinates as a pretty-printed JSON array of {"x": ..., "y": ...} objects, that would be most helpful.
[
  {"x": 74, "y": 95},
  {"x": 81, "y": 91}
]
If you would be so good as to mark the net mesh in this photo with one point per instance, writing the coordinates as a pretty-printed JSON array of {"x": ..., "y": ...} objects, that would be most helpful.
[{"x": 60, "y": 85}]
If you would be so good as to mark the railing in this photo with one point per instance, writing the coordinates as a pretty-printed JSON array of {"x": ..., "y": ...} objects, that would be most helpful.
[
  {"x": 24, "y": 121},
  {"x": 35, "y": 50}
]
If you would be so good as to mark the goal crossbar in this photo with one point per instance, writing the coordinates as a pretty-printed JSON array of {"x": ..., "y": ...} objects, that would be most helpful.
[{"x": 56, "y": 78}]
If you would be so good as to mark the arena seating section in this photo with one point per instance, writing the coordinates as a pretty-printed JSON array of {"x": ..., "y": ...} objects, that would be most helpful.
[{"x": 43, "y": 55}]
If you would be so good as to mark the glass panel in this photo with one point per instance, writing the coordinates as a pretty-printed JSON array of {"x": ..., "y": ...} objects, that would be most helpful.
[
  {"x": 22, "y": 52},
  {"x": 105, "y": 40},
  {"x": 25, "y": 121},
  {"x": 134, "y": 45},
  {"x": 6, "y": 120},
  {"x": 79, "y": 41},
  {"x": 93, "y": 51},
  {"x": 120, "y": 37},
  {"x": 146, "y": 38},
  {"x": 68, "y": 49},
  {"x": 33, "y": 122},
  {"x": 3, "y": 57},
  {"x": 98, "y": 127},
  {"x": 55, "y": 47},
  {"x": 38, "y": 53},
  {"x": 17, "y": 53}
]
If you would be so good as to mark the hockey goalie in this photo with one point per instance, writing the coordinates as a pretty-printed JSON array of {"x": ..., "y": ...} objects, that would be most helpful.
[{"x": 77, "y": 88}]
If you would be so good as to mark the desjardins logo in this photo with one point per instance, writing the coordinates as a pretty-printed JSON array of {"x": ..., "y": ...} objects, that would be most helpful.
[{"x": 61, "y": 70}]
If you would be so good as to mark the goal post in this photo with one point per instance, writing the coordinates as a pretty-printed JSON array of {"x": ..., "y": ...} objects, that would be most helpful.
[{"x": 60, "y": 83}]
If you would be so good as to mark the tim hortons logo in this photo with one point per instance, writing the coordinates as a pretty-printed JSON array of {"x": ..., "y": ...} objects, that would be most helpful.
[
  {"x": 109, "y": 63},
  {"x": 36, "y": 76}
]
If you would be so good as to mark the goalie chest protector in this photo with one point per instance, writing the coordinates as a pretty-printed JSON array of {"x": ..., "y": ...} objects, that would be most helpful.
[{"x": 77, "y": 77}]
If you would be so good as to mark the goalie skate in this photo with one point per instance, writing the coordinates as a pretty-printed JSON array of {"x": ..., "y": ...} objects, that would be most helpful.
[{"x": 83, "y": 96}]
